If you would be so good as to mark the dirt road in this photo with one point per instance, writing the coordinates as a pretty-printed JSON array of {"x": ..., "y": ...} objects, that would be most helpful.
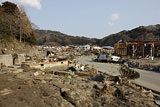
[
  {"x": 148, "y": 79},
  {"x": 112, "y": 69}
]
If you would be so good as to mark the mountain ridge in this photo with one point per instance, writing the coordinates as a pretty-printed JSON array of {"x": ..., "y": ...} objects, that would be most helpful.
[{"x": 141, "y": 33}]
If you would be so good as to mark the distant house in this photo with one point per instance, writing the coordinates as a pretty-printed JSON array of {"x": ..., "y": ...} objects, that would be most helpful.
[{"x": 86, "y": 47}]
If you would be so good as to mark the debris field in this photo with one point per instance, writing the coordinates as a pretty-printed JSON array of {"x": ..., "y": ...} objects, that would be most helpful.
[{"x": 63, "y": 87}]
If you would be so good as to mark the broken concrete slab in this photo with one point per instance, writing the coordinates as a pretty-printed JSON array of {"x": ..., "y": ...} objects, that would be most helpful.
[
  {"x": 49, "y": 65},
  {"x": 6, "y": 60},
  {"x": 20, "y": 59}
]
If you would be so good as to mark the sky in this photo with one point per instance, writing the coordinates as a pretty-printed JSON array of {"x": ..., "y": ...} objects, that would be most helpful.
[{"x": 91, "y": 18}]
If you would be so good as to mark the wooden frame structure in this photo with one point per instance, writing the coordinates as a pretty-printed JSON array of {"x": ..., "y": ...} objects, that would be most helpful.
[{"x": 138, "y": 48}]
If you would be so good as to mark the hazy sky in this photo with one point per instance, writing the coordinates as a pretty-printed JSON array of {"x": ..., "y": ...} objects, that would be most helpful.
[{"x": 91, "y": 18}]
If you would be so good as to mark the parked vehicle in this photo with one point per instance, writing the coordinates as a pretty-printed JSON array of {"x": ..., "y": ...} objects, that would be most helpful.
[{"x": 107, "y": 57}]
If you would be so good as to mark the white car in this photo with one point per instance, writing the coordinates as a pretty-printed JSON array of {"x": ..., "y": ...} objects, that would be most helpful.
[{"x": 106, "y": 57}]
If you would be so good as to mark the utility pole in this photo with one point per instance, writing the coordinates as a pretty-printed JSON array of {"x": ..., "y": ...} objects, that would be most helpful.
[{"x": 152, "y": 51}]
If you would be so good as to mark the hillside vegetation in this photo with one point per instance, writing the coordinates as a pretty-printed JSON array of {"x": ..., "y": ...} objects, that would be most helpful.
[
  {"x": 142, "y": 33},
  {"x": 47, "y": 37},
  {"x": 15, "y": 24}
]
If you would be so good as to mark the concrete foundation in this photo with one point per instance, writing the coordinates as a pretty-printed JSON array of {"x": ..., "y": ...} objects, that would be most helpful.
[
  {"x": 20, "y": 59},
  {"x": 6, "y": 60},
  {"x": 49, "y": 65}
]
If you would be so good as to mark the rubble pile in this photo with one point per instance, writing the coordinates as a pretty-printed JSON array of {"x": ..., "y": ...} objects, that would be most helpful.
[
  {"x": 129, "y": 73},
  {"x": 144, "y": 64},
  {"x": 51, "y": 78},
  {"x": 61, "y": 87}
]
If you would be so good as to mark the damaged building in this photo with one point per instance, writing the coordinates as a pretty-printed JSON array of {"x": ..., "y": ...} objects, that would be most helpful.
[{"x": 138, "y": 49}]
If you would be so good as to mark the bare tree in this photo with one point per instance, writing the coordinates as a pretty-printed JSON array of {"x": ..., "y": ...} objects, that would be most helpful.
[{"x": 25, "y": 28}]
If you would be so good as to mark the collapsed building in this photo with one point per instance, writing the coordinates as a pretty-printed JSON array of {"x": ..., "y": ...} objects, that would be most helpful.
[{"x": 138, "y": 49}]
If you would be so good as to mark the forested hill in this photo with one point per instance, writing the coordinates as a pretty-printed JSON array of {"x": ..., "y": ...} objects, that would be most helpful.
[
  {"x": 47, "y": 37},
  {"x": 142, "y": 33},
  {"x": 15, "y": 24}
]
